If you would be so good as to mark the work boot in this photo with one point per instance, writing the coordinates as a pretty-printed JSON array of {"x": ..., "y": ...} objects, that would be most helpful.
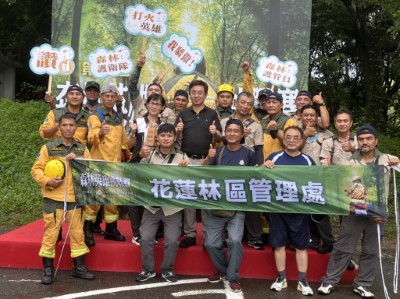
[
  {"x": 88, "y": 230},
  {"x": 48, "y": 271},
  {"x": 79, "y": 270},
  {"x": 112, "y": 233}
]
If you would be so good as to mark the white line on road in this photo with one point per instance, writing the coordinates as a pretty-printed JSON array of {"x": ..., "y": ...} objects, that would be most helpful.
[{"x": 128, "y": 288}]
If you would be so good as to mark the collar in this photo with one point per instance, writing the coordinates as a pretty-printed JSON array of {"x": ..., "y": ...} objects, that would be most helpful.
[
  {"x": 276, "y": 117},
  {"x": 357, "y": 155},
  {"x": 351, "y": 136},
  {"x": 58, "y": 142},
  {"x": 172, "y": 152}
]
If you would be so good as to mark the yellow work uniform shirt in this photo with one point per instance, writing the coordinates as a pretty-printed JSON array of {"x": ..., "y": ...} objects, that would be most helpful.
[
  {"x": 57, "y": 150},
  {"x": 272, "y": 145},
  {"x": 54, "y": 116},
  {"x": 108, "y": 147}
]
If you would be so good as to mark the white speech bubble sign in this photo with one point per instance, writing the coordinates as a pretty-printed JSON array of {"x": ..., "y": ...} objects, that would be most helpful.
[
  {"x": 110, "y": 63},
  {"x": 139, "y": 20},
  {"x": 52, "y": 61},
  {"x": 279, "y": 73},
  {"x": 178, "y": 50}
]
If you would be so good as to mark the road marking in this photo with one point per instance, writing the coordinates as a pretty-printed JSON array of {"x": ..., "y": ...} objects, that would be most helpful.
[
  {"x": 24, "y": 280},
  {"x": 129, "y": 288},
  {"x": 227, "y": 291}
]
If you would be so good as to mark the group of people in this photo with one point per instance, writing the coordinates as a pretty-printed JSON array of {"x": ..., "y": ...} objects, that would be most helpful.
[{"x": 195, "y": 134}]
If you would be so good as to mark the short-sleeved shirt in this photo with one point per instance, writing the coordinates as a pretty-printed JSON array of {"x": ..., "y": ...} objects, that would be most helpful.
[
  {"x": 241, "y": 157},
  {"x": 155, "y": 157},
  {"x": 196, "y": 136},
  {"x": 314, "y": 144},
  {"x": 332, "y": 149},
  {"x": 282, "y": 158},
  {"x": 256, "y": 134}
]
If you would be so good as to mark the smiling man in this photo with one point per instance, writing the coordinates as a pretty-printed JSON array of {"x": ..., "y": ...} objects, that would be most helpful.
[
  {"x": 290, "y": 227},
  {"x": 49, "y": 130},
  {"x": 236, "y": 155}
]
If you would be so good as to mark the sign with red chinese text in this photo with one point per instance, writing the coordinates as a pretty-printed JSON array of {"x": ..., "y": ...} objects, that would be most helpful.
[
  {"x": 178, "y": 50},
  {"x": 106, "y": 63},
  {"x": 141, "y": 20},
  {"x": 52, "y": 61},
  {"x": 278, "y": 73}
]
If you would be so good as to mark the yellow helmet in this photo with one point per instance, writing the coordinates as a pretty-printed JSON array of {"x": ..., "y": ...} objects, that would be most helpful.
[
  {"x": 54, "y": 168},
  {"x": 225, "y": 87}
]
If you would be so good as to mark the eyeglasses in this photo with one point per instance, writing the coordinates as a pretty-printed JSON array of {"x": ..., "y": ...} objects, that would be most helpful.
[
  {"x": 154, "y": 104},
  {"x": 294, "y": 138}
]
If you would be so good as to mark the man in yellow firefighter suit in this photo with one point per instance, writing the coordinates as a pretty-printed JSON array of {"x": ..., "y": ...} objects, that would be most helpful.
[
  {"x": 59, "y": 199},
  {"x": 106, "y": 136}
]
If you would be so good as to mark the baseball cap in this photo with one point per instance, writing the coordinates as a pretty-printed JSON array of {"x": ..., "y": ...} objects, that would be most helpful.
[
  {"x": 225, "y": 87},
  {"x": 264, "y": 92},
  {"x": 367, "y": 129},
  {"x": 275, "y": 96},
  {"x": 109, "y": 88},
  {"x": 93, "y": 84},
  {"x": 304, "y": 93},
  {"x": 75, "y": 87}
]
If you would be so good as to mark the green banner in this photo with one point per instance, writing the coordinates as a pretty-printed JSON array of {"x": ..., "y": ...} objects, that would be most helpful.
[{"x": 333, "y": 190}]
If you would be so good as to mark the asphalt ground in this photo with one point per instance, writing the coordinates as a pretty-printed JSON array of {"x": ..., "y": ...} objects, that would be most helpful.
[{"x": 23, "y": 283}]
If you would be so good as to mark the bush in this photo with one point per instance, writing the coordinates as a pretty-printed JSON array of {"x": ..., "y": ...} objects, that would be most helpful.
[{"x": 20, "y": 143}]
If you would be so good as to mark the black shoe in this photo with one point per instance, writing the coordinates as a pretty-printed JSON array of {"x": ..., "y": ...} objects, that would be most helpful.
[
  {"x": 325, "y": 248},
  {"x": 88, "y": 231},
  {"x": 48, "y": 271},
  {"x": 79, "y": 270},
  {"x": 187, "y": 242},
  {"x": 97, "y": 229},
  {"x": 112, "y": 233}
]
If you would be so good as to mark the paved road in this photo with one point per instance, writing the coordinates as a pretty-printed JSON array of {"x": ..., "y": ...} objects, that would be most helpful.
[{"x": 21, "y": 284}]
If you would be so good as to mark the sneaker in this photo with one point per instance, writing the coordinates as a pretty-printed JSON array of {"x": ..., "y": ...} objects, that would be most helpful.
[
  {"x": 304, "y": 288},
  {"x": 325, "y": 288},
  {"x": 279, "y": 284},
  {"x": 256, "y": 244},
  {"x": 169, "y": 276},
  {"x": 143, "y": 276},
  {"x": 363, "y": 292},
  {"x": 235, "y": 286},
  {"x": 217, "y": 277},
  {"x": 187, "y": 242},
  {"x": 136, "y": 240}
]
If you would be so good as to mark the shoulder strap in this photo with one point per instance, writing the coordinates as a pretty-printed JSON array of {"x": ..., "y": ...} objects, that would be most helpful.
[
  {"x": 100, "y": 114},
  {"x": 220, "y": 156}
]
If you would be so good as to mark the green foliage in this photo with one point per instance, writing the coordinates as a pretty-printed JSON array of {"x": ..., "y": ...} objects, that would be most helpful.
[{"x": 20, "y": 143}]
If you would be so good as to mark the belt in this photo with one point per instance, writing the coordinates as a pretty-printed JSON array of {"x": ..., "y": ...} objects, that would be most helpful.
[{"x": 196, "y": 156}]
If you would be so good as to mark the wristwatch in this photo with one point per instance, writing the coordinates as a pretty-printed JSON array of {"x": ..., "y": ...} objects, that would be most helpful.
[{"x": 321, "y": 104}]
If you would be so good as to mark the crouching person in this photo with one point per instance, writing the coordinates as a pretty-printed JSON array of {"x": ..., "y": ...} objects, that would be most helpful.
[
  {"x": 171, "y": 217},
  {"x": 52, "y": 172}
]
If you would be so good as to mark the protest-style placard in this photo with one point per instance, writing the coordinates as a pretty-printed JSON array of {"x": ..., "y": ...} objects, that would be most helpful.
[{"x": 278, "y": 73}]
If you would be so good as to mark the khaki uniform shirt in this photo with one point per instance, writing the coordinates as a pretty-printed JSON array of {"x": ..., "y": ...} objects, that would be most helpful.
[
  {"x": 332, "y": 149},
  {"x": 313, "y": 145},
  {"x": 155, "y": 157}
]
